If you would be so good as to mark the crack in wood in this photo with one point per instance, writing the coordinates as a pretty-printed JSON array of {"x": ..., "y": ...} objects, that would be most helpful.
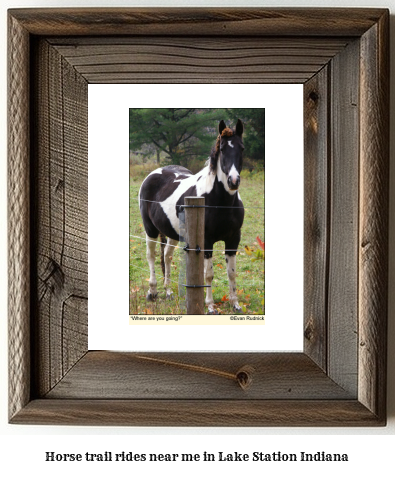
[{"x": 243, "y": 376}]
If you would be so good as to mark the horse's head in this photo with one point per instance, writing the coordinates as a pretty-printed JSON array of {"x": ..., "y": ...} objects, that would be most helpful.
[{"x": 229, "y": 150}]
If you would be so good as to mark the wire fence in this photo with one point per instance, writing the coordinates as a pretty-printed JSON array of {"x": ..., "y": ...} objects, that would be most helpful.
[
  {"x": 179, "y": 247},
  {"x": 184, "y": 248},
  {"x": 205, "y": 206},
  {"x": 182, "y": 206}
]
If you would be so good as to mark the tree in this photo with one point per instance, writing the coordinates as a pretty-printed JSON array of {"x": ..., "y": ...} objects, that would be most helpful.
[
  {"x": 254, "y": 123},
  {"x": 181, "y": 133}
]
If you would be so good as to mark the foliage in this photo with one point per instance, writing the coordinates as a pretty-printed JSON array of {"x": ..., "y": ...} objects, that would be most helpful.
[
  {"x": 181, "y": 133},
  {"x": 185, "y": 136},
  {"x": 252, "y": 165},
  {"x": 140, "y": 171},
  {"x": 254, "y": 122},
  {"x": 256, "y": 254}
]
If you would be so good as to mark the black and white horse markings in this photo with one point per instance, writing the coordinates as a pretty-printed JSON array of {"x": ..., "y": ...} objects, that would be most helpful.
[{"x": 163, "y": 191}]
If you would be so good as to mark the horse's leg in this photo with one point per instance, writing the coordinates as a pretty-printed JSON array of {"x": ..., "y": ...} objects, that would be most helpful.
[
  {"x": 151, "y": 244},
  {"x": 208, "y": 277},
  {"x": 168, "y": 255},
  {"x": 231, "y": 270}
]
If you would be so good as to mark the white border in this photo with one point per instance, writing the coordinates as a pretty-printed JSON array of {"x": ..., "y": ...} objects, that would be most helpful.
[{"x": 109, "y": 327}]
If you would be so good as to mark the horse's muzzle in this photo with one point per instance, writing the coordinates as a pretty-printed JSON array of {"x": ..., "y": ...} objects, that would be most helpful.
[{"x": 233, "y": 184}]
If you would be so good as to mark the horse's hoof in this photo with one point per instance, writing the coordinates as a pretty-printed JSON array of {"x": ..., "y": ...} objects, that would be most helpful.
[
  {"x": 169, "y": 296},
  {"x": 237, "y": 308},
  {"x": 150, "y": 297},
  {"x": 212, "y": 312}
]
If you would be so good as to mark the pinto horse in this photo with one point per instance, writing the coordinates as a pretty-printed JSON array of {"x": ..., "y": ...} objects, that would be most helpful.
[{"x": 163, "y": 191}]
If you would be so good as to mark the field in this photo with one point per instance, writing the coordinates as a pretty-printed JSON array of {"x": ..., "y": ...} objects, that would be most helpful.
[{"x": 249, "y": 266}]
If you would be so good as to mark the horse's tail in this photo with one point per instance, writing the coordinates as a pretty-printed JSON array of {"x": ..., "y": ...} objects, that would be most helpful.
[{"x": 163, "y": 241}]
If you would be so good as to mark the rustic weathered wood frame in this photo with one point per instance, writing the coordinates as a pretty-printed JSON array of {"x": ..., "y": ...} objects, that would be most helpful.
[{"x": 341, "y": 57}]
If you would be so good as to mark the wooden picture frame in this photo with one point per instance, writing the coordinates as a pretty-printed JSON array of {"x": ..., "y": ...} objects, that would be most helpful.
[{"x": 342, "y": 58}]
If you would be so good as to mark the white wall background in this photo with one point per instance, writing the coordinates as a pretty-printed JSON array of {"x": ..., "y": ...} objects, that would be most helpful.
[{"x": 23, "y": 448}]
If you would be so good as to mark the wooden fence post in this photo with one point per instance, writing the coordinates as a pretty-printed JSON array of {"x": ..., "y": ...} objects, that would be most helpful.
[{"x": 194, "y": 238}]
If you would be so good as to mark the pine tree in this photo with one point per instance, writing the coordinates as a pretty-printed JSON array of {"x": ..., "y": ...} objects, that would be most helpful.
[{"x": 181, "y": 133}]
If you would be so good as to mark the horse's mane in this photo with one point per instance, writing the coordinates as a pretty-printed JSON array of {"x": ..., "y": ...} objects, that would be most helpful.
[{"x": 215, "y": 150}]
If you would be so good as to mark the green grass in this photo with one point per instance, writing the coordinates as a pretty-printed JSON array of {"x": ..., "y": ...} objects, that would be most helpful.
[{"x": 250, "y": 275}]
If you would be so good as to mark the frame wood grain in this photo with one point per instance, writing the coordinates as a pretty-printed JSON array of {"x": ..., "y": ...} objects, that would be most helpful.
[{"x": 342, "y": 58}]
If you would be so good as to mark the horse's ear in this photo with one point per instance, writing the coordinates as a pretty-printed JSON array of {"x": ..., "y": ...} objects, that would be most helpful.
[
  {"x": 221, "y": 126},
  {"x": 239, "y": 128}
]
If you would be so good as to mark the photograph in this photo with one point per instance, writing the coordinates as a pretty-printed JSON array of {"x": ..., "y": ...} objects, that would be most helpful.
[{"x": 217, "y": 154}]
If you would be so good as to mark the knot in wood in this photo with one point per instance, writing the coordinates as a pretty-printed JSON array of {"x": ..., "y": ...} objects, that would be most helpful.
[
  {"x": 244, "y": 376},
  {"x": 313, "y": 96},
  {"x": 54, "y": 276},
  {"x": 309, "y": 331}
]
